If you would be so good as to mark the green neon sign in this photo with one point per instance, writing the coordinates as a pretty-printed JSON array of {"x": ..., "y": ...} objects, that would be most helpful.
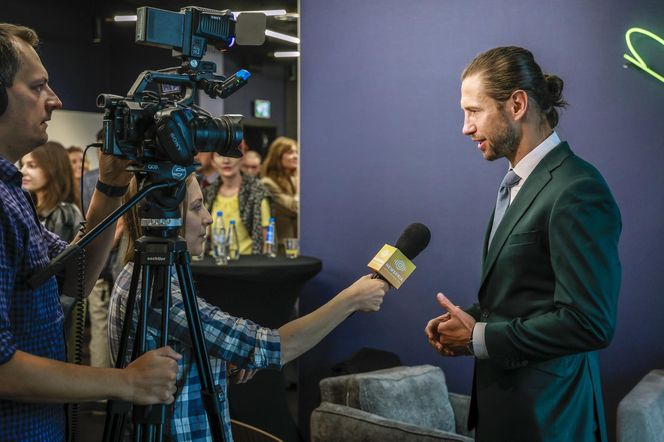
[{"x": 635, "y": 58}]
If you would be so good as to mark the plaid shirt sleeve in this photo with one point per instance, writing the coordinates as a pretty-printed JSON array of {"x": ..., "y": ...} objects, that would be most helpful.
[
  {"x": 8, "y": 269},
  {"x": 234, "y": 340},
  {"x": 54, "y": 243}
]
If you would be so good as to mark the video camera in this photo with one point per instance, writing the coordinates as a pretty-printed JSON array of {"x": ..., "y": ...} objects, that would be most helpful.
[
  {"x": 160, "y": 128},
  {"x": 158, "y": 121}
]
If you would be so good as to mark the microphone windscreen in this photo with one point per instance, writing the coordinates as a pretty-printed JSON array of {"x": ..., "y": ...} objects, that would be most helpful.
[
  {"x": 250, "y": 29},
  {"x": 413, "y": 240}
]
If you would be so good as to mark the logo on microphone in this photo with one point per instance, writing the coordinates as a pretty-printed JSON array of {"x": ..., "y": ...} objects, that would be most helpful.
[{"x": 400, "y": 265}]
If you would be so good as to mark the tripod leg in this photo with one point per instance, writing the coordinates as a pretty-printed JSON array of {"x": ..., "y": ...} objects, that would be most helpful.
[
  {"x": 163, "y": 338},
  {"x": 117, "y": 411},
  {"x": 141, "y": 334},
  {"x": 150, "y": 420},
  {"x": 210, "y": 393}
]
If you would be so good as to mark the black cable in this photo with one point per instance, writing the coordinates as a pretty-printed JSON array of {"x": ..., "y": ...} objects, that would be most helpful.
[
  {"x": 80, "y": 195},
  {"x": 79, "y": 328}
]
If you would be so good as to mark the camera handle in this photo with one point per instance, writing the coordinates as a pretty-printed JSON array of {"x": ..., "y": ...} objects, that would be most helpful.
[{"x": 153, "y": 259}]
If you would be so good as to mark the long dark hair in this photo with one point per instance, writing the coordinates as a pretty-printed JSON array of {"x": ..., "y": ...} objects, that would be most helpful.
[
  {"x": 53, "y": 160},
  {"x": 506, "y": 69}
]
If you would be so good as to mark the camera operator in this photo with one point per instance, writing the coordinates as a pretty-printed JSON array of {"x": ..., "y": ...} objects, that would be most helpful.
[{"x": 32, "y": 350}]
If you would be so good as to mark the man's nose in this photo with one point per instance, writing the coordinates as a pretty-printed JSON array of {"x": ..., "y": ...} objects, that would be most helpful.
[
  {"x": 468, "y": 128},
  {"x": 53, "y": 102}
]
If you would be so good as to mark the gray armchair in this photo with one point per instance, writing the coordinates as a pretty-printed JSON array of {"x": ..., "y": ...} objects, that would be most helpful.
[
  {"x": 641, "y": 412},
  {"x": 399, "y": 404}
]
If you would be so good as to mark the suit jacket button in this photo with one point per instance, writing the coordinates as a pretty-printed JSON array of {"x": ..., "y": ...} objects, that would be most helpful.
[{"x": 485, "y": 314}]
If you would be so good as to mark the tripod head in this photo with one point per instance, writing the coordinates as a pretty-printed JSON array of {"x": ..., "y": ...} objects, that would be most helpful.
[{"x": 159, "y": 213}]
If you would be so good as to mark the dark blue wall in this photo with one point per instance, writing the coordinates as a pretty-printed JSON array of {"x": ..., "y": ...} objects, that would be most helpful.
[{"x": 382, "y": 147}]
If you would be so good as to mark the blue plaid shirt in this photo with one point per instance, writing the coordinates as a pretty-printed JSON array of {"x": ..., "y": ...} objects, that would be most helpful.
[
  {"x": 30, "y": 320},
  {"x": 228, "y": 339}
]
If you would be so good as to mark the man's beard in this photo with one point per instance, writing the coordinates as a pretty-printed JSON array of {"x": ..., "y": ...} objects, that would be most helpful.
[{"x": 505, "y": 142}]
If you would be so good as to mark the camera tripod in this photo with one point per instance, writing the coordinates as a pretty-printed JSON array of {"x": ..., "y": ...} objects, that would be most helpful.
[
  {"x": 152, "y": 263},
  {"x": 155, "y": 253}
]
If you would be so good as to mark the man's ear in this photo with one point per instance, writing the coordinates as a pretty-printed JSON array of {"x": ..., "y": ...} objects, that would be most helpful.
[{"x": 517, "y": 104}]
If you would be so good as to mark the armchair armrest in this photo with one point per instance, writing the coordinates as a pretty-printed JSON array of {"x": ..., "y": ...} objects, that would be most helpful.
[
  {"x": 640, "y": 413},
  {"x": 461, "y": 406},
  {"x": 339, "y": 423}
]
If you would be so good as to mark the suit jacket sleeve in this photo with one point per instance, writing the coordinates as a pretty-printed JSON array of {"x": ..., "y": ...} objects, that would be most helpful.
[
  {"x": 474, "y": 311},
  {"x": 583, "y": 230}
]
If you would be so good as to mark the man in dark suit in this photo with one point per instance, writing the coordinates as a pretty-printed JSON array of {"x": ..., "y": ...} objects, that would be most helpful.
[{"x": 551, "y": 273}]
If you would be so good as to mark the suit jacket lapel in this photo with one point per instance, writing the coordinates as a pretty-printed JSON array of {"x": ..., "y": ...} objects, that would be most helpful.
[
  {"x": 487, "y": 233},
  {"x": 537, "y": 180}
]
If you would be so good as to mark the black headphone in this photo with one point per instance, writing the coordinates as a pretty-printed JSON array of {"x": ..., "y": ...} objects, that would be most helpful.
[{"x": 3, "y": 98}]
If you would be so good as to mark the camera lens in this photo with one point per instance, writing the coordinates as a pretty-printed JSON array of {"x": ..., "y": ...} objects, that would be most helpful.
[{"x": 222, "y": 135}]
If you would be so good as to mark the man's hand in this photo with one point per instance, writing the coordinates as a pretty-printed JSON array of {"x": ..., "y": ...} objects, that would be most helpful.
[
  {"x": 450, "y": 333},
  {"x": 455, "y": 334},
  {"x": 431, "y": 331},
  {"x": 112, "y": 170},
  {"x": 152, "y": 377}
]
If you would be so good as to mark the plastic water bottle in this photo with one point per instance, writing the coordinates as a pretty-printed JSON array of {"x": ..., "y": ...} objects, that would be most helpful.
[
  {"x": 271, "y": 244},
  {"x": 219, "y": 243},
  {"x": 233, "y": 242}
]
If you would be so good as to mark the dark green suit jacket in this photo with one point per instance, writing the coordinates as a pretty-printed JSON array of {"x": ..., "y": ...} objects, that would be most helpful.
[{"x": 549, "y": 294}]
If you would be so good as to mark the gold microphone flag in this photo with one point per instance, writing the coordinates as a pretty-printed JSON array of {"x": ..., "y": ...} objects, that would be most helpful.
[{"x": 392, "y": 265}]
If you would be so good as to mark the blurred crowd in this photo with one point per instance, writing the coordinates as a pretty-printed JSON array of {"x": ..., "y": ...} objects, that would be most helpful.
[{"x": 250, "y": 191}]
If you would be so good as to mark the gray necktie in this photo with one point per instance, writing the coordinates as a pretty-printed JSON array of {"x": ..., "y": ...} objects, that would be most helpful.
[{"x": 503, "y": 202}]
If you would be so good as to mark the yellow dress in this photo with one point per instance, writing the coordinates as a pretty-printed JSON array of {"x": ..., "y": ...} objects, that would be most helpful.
[{"x": 230, "y": 206}]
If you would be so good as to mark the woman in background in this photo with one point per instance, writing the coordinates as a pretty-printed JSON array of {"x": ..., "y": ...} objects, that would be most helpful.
[
  {"x": 48, "y": 176},
  {"x": 76, "y": 159},
  {"x": 279, "y": 176},
  {"x": 242, "y": 198}
]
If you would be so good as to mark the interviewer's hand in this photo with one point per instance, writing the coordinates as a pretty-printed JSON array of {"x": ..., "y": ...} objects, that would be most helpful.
[
  {"x": 367, "y": 294},
  {"x": 152, "y": 377}
]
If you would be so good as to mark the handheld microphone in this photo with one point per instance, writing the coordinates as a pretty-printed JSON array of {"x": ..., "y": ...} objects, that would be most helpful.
[{"x": 394, "y": 264}]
